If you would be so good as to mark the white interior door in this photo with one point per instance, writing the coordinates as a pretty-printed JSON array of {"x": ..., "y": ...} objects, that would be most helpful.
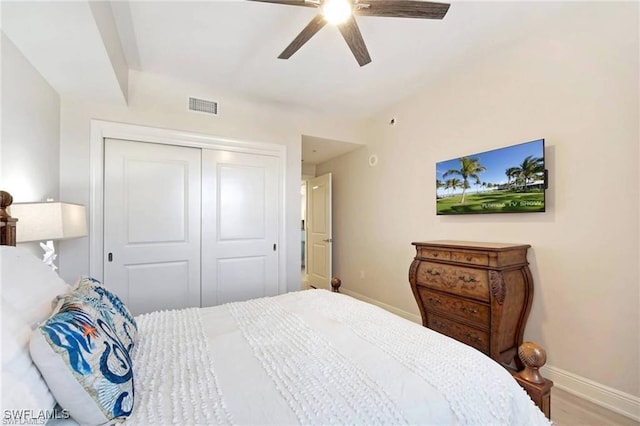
[
  {"x": 152, "y": 224},
  {"x": 239, "y": 226},
  {"x": 319, "y": 233}
]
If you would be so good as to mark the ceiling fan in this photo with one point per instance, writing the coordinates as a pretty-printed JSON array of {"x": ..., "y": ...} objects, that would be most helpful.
[{"x": 342, "y": 13}]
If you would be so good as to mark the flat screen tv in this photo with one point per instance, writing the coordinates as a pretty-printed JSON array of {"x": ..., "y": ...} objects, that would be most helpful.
[{"x": 506, "y": 180}]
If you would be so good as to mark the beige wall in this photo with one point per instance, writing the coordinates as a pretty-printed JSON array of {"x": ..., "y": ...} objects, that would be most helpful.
[
  {"x": 161, "y": 102},
  {"x": 574, "y": 83}
]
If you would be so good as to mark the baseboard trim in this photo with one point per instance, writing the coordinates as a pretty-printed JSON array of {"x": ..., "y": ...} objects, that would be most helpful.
[
  {"x": 599, "y": 394},
  {"x": 393, "y": 309},
  {"x": 612, "y": 399}
]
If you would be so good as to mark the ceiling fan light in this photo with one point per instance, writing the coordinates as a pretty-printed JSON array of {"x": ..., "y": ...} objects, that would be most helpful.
[{"x": 336, "y": 11}]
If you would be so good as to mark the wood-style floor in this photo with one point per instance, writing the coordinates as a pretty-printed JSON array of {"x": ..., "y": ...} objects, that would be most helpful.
[{"x": 569, "y": 410}]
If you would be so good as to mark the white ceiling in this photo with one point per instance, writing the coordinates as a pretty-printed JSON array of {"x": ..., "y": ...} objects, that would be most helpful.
[
  {"x": 232, "y": 46},
  {"x": 318, "y": 150},
  {"x": 62, "y": 42}
]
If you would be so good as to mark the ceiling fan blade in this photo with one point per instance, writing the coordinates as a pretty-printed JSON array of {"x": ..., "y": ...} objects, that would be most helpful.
[
  {"x": 402, "y": 9},
  {"x": 312, "y": 27},
  {"x": 304, "y": 3},
  {"x": 353, "y": 37}
]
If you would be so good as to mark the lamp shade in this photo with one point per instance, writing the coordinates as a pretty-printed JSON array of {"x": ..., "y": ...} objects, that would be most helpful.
[{"x": 49, "y": 221}]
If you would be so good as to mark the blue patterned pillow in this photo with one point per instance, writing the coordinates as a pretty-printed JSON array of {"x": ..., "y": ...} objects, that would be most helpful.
[
  {"x": 113, "y": 311},
  {"x": 86, "y": 366}
]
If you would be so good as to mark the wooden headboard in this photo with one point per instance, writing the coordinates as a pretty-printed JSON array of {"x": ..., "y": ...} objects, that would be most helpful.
[{"x": 7, "y": 223}]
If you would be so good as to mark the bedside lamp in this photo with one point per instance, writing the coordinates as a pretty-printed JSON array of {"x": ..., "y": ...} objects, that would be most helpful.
[{"x": 49, "y": 221}]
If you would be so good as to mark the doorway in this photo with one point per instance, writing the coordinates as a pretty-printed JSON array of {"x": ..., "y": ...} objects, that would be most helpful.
[
  {"x": 318, "y": 152},
  {"x": 318, "y": 232},
  {"x": 303, "y": 235}
]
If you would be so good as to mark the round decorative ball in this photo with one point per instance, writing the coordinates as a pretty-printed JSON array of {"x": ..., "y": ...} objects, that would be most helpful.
[
  {"x": 5, "y": 199},
  {"x": 335, "y": 284},
  {"x": 533, "y": 357},
  {"x": 532, "y": 354}
]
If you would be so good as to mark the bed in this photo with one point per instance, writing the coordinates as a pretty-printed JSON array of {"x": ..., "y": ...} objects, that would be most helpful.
[{"x": 307, "y": 357}]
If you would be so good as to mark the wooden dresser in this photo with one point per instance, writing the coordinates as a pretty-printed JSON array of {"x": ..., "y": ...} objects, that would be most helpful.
[{"x": 477, "y": 293}]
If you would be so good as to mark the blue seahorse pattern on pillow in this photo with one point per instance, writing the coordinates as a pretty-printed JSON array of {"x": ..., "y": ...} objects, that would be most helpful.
[
  {"x": 81, "y": 335},
  {"x": 113, "y": 311}
]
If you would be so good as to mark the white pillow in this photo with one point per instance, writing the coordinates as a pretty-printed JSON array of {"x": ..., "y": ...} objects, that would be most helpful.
[
  {"x": 85, "y": 364},
  {"x": 16, "y": 396},
  {"x": 22, "y": 385},
  {"x": 28, "y": 285}
]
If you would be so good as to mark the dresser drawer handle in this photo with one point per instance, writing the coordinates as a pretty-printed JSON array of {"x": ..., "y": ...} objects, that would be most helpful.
[
  {"x": 469, "y": 258},
  {"x": 435, "y": 301},
  {"x": 470, "y": 310},
  {"x": 432, "y": 272},
  {"x": 467, "y": 279},
  {"x": 434, "y": 254}
]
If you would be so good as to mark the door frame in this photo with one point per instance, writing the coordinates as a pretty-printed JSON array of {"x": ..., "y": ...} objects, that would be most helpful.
[
  {"x": 101, "y": 129},
  {"x": 309, "y": 224}
]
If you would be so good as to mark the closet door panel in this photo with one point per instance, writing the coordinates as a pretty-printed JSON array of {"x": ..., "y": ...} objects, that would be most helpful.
[
  {"x": 242, "y": 202},
  {"x": 152, "y": 200},
  {"x": 250, "y": 271},
  {"x": 239, "y": 226},
  {"x": 169, "y": 280}
]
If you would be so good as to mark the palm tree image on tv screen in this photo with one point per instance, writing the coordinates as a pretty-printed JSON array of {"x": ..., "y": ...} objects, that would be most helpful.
[{"x": 505, "y": 180}]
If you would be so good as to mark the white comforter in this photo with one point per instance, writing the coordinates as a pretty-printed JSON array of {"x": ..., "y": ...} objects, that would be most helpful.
[{"x": 314, "y": 357}]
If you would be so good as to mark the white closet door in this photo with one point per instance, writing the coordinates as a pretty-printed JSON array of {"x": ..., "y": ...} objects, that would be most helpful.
[
  {"x": 239, "y": 226},
  {"x": 152, "y": 199}
]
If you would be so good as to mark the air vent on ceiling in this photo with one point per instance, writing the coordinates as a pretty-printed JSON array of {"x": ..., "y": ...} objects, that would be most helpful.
[{"x": 201, "y": 105}]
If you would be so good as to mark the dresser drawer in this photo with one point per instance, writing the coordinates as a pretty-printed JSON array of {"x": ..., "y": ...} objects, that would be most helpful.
[
  {"x": 450, "y": 281},
  {"x": 475, "y": 312},
  {"x": 454, "y": 279},
  {"x": 469, "y": 335},
  {"x": 470, "y": 257},
  {"x": 429, "y": 253}
]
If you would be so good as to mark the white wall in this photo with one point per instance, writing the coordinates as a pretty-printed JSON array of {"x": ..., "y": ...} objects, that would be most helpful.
[
  {"x": 573, "y": 82},
  {"x": 30, "y": 129},
  {"x": 29, "y": 143},
  {"x": 159, "y": 102}
]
